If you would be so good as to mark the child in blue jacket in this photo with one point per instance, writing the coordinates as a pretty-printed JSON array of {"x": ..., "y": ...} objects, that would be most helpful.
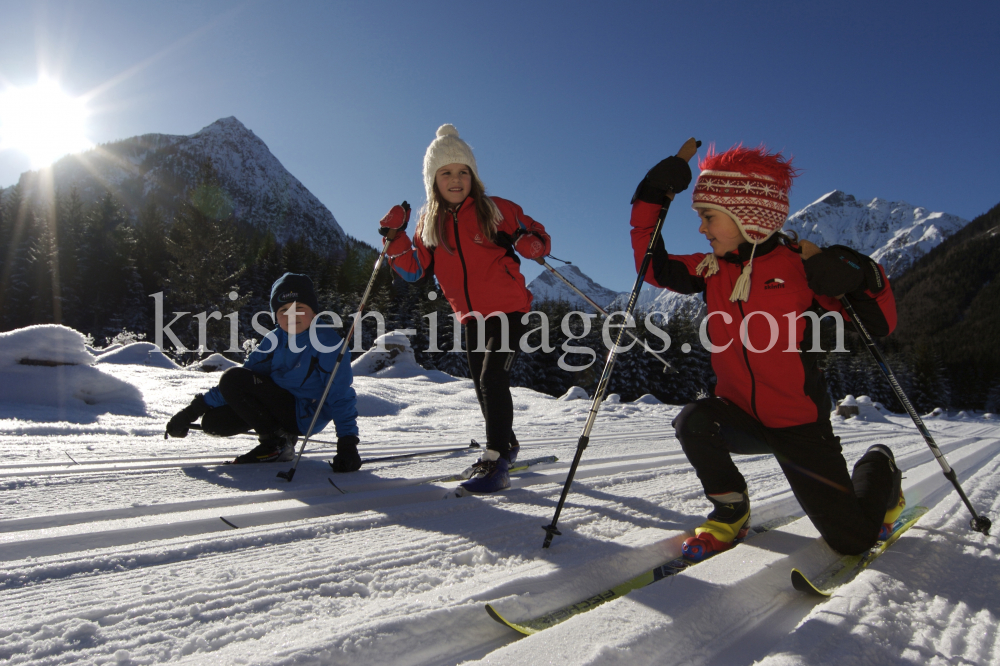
[{"x": 277, "y": 390}]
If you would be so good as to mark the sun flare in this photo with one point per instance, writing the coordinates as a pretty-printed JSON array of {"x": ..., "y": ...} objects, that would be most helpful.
[{"x": 42, "y": 122}]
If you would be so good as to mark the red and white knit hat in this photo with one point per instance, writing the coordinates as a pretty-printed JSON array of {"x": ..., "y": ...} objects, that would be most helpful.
[{"x": 750, "y": 185}]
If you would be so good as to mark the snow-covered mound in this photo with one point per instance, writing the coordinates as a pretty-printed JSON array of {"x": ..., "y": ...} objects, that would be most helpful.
[
  {"x": 214, "y": 363},
  {"x": 139, "y": 353},
  {"x": 648, "y": 399},
  {"x": 161, "y": 168},
  {"x": 44, "y": 344},
  {"x": 894, "y": 233},
  {"x": 548, "y": 287},
  {"x": 49, "y": 366},
  {"x": 861, "y": 408},
  {"x": 391, "y": 356},
  {"x": 574, "y": 393}
]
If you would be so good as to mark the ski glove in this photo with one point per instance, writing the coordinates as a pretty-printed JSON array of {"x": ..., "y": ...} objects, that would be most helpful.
[
  {"x": 530, "y": 246},
  {"x": 396, "y": 218},
  {"x": 839, "y": 270},
  {"x": 347, "y": 458},
  {"x": 670, "y": 176},
  {"x": 180, "y": 423},
  {"x": 399, "y": 245}
]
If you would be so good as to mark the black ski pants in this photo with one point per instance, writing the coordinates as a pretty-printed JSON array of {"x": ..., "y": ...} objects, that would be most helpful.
[
  {"x": 253, "y": 402},
  {"x": 846, "y": 509},
  {"x": 490, "y": 370}
]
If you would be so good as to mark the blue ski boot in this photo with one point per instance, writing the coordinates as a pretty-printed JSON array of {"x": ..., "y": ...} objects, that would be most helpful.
[{"x": 489, "y": 475}]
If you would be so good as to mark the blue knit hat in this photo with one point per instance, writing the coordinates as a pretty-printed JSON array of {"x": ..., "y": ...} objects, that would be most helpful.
[{"x": 293, "y": 287}]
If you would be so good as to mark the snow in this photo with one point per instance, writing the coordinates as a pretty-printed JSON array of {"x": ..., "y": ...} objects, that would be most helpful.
[
  {"x": 574, "y": 393},
  {"x": 213, "y": 363},
  {"x": 146, "y": 353},
  {"x": 49, "y": 366},
  {"x": 113, "y": 550}
]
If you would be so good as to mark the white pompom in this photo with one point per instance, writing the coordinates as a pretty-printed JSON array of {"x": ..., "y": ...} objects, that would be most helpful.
[{"x": 447, "y": 130}]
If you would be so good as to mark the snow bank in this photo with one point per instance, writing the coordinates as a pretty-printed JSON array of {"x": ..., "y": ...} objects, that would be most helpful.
[
  {"x": 648, "y": 399},
  {"x": 49, "y": 366},
  {"x": 612, "y": 399},
  {"x": 140, "y": 353},
  {"x": 214, "y": 363}
]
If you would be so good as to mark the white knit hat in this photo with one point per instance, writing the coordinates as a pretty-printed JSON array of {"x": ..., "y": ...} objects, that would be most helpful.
[{"x": 446, "y": 149}]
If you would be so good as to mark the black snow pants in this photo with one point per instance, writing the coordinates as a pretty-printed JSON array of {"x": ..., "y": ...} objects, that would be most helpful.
[
  {"x": 253, "y": 402},
  {"x": 490, "y": 369},
  {"x": 846, "y": 509}
]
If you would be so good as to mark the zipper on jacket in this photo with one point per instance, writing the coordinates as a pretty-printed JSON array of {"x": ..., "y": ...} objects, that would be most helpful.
[
  {"x": 465, "y": 271},
  {"x": 746, "y": 359}
]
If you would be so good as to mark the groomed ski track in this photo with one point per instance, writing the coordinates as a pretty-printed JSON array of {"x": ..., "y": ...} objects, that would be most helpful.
[{"x": 125, "y": 559}]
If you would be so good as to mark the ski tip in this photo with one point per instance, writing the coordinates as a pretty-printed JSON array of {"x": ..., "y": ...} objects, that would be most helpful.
[
  {"x": 235, "y": 527},
  {"x": 527, "y": 631},
  {"x": 803, "y": 584}
]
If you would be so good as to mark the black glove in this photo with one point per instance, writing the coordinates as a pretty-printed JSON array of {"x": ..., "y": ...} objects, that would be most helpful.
[
  {"x": 839, "y": 270},
  {"x": 180, "y": 423},
  {"x": 347, "y": 458},
  {"x": 670, "y": 176}
]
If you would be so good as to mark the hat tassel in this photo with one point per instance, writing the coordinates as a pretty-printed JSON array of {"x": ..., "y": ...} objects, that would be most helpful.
[
  {"x": 709, "y": 266},
  {"x": 741, "y": 292}
]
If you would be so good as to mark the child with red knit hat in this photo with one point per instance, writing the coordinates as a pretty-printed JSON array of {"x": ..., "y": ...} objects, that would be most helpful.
[{"x": 765, "y": 293}]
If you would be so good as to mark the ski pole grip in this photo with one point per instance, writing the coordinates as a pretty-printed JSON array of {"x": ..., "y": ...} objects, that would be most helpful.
[{"x": 689, "y": 148}]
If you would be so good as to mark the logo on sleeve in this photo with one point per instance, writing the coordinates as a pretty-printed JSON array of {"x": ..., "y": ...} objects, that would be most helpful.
[{"x": 774, "y": 283}]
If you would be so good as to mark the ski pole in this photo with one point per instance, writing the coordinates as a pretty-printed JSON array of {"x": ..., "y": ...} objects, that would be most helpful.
[
  {"x": 978, "y": 523},
  {"x": 340, "y": 357},
  {"x": 666, "y": 364},
  {"x": 686, "y": 152}
]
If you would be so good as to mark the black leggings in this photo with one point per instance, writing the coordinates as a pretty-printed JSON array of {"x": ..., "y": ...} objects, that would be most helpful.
[
  {"x": 490, "y": 369},
  {"x": 253, "y": 402},
  {"x": 847, "y": 510}
]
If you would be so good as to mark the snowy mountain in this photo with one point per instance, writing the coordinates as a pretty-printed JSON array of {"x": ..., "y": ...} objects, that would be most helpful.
[
  {"x": 161, "y": 168},
  {"x": 894, "y": 233},
  {"x": 547, "y": 287}
]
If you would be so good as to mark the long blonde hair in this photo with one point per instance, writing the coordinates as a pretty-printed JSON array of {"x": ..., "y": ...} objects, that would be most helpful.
[{"x": 487, "y": 214}]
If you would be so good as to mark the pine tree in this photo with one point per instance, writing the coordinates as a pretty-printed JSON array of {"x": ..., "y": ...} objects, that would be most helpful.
[{"x": 208, "y": 264}]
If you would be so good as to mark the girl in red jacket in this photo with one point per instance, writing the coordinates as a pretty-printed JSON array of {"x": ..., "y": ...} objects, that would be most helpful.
[
  {"x": 765, "y": 293},
  {"x": 467, "y": 240}
]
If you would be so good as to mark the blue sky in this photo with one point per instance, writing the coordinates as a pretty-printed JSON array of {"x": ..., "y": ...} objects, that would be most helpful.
[{"x": 566, "y": 104}]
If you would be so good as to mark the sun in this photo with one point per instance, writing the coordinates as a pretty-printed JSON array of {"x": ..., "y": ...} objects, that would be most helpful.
[{"x": 42, "y": 122}]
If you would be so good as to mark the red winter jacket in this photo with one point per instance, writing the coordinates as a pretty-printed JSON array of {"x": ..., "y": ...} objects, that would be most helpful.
[
  {"x": 479, "y": 275},
  {"x": 780, "y": 388}
]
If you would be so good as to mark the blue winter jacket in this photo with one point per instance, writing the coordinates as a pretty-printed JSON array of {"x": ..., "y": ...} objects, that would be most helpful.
[{"x": 304, "y": 375}]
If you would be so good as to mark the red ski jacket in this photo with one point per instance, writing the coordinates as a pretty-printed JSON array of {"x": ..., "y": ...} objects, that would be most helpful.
[
  {"x": 771, "y": 373},
  {"x": 479, "y": 275}
]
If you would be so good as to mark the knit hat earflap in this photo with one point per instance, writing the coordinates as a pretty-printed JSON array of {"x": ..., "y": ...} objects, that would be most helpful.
[
  {"x": 751, "y": 186},
  {"x": 446, "y": 149},
  {"x": 293, "y": 287}
]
